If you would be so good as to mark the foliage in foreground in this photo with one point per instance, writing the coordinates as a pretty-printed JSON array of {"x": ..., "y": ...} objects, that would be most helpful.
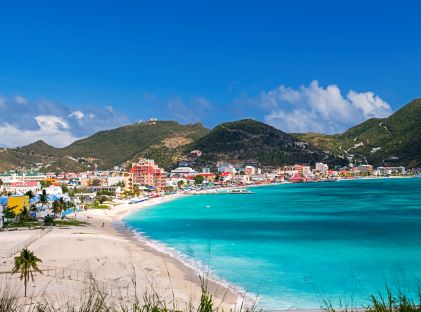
[
  {"x": 98, "y": 300},
  {"x": 383, "y": 302}
]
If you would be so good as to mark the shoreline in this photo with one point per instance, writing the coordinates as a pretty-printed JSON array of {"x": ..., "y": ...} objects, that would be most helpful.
[{"x": 192, "y": 271}]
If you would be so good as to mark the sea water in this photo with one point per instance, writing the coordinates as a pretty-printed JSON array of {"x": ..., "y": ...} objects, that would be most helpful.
[{"x": 296, "y": 245}]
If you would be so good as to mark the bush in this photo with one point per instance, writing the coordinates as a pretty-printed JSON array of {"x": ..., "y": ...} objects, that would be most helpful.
[{"x": 49, "y": 221}]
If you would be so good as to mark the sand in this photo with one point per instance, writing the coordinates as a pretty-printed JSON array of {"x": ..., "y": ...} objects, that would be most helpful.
[{"x": 113, "y": 255}]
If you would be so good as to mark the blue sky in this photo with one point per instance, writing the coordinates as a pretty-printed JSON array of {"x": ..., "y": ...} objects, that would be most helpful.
[{"x": 70, "y": 68}]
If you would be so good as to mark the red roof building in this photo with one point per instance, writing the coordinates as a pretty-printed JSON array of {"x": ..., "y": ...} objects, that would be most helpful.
[{"x": 297, "y": 178}]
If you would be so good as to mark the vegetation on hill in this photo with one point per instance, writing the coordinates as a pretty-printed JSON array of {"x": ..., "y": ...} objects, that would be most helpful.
[
  {"x": 395, "y": 140},
  {"x": 116, "y": 146},
  {"x": 161, "y": 140},
  {"x": 252, "y": 140},
  {"x": 391, "y": 141}
]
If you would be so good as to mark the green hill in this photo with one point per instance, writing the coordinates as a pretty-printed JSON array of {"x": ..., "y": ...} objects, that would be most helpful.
[
  {"x": 116, "y": 146},
  {"x": 165, "y": 140},
  {"x": 395, "y": 140},
  {"x": 252, "y": 140}
]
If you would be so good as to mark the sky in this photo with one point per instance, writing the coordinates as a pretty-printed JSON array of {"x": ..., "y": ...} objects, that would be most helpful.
[{"x": 71, "y": 68}]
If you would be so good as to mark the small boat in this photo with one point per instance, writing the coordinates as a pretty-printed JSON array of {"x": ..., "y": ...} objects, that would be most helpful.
[
  {"x": 138, "y": 200},
  {"x": 239, "y": 191}
]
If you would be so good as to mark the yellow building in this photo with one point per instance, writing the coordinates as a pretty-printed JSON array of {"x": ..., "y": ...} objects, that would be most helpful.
[{"x": 18, "y": 202}]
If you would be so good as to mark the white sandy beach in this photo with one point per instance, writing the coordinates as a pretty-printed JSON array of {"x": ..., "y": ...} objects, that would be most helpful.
[{"x": 113, "y": 256}]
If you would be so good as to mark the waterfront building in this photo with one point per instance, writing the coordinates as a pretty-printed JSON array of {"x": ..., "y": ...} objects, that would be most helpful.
[
  {"x": 250, "y": 170},
  {"x": 241, "y": 179},
  {"x": 306, "y": 171},
  {"x": 322, "y": 168},
  {"x": 365, "y": 169},
  {"x": 289, "y": 171},
  {"x": 123, "y": 177},
  {"x": 114, "y": 190},
  {"x": 182, "y": 172},
  {"x": 226, "y": 167},
  {"x": 391, "y": 170},
  {"x": 146, "y": 172},
  {"x": 298, "y": 169},
  {"x": 225, "y": 177},
  {"x": 297, "y": 178}
]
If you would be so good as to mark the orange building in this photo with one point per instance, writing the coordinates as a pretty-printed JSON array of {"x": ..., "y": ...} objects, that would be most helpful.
[{"x": 146, "y": 172}]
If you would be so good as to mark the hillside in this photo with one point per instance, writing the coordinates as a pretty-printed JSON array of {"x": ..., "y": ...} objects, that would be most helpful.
[
  {"x": 165, "y": 140},
  {"x": 114, "y": 147},
  {"x": 252, "y": 140},
  {"x": 395, "y": 140}
]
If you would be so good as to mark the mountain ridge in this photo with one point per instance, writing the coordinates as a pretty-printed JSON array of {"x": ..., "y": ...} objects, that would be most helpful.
[{"x": 395, "y": 140}]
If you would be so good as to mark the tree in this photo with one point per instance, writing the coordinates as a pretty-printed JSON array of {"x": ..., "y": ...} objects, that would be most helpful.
[
  {"x": 43, "y": 198},
  {"x": 26, "y": 264},
  {"x": 95, "y": 182},
  {"x": 45, "y": 184},
  {"x": 59, "y": 205},
  {"x": 56, "y": 207},
  {"x": 101, "y": 199},
  {"x": 24, "y": 214},
  {"x": 64, "y": 188},
  {"x": 29, "y": 194},
  {"x": 180, "y": 184},
  {"x": 198, "y": 179},
  {"x": 136, "y": 190},
  {"x": 168, "y": 189},
  {"x": 49, "y": 221},
  {"x": 9, "y": 212}
]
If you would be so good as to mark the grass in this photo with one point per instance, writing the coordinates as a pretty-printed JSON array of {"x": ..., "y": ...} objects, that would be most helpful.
[
  {"x": 97, "y": 299},
  {"x": 24, "y": 224},
  {"x": 70, "y": 223},
  {"x": 388, "y": 301},
  {"x": 39, "y": 224}
]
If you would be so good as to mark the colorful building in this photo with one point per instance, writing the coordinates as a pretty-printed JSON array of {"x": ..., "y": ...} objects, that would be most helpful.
[
  {"x": 146, "y": 172},
  {"x": 18, "y": 202}
]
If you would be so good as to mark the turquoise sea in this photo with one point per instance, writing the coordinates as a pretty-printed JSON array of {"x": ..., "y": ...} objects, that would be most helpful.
[{"x": 297, "y": 244}]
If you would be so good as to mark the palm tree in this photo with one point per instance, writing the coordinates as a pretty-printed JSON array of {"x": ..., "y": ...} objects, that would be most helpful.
[
  {"x": 26, "y": 264},
  {"x": 43, "y": 198},
  {"x": 59, "y": 205},
  {"x": 29, "y": 194}
]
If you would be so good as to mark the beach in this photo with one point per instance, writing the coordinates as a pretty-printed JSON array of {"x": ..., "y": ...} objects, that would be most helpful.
[{"x": 113, "y": 255}]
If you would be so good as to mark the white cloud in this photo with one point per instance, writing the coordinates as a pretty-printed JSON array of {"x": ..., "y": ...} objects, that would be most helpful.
[
  {"x": 369, "y": 103},
  {"x": 77, "y": 114},
  {"x": 317, "y": 109},
  {"x": 24, "y": 121},
  {"x": 51, "y": 129}
]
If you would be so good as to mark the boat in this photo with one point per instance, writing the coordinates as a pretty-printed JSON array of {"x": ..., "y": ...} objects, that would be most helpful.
[
  {"x": 239, "y": 191},
  {"x": 138, "y": 200}
]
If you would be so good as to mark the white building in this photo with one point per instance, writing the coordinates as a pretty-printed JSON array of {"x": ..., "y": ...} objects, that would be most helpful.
[
  {"x": 225, "y": 167},
  {"x": 23, "y": 187},
  {"x": 322, "y": 168},
  {"x": 182, "y": 172},
  {"x": 307, "y": 171},
  {"x": 241, "y": 178},
  {"x": 391, "y": 170},
  {"x": 54, "y": 190}
]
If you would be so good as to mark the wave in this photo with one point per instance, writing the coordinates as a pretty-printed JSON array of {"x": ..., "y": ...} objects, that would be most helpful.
[{"x": 244, "y": 297}]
